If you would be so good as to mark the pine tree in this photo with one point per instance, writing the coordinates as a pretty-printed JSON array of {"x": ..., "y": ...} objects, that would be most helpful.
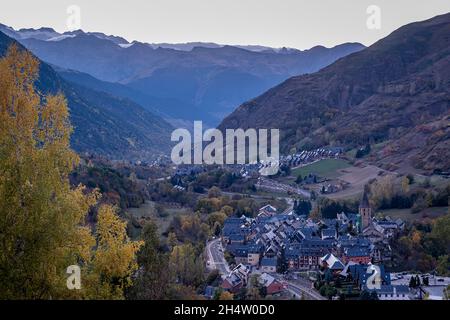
[
  {"x": 412, "y": 282},
  {"x": 154, "y": 278}
]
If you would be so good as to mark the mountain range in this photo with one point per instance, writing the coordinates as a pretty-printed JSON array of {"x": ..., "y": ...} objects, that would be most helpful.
[
  {"x": 394, "y": 95},
  {"x": 192, "y": 81},
  {"x": 104, "y": 124}
]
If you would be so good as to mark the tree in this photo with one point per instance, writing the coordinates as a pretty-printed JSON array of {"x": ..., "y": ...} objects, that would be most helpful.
[
  {"x": 328, "y": 276},
  {"x": 241, "y": 294},
  {"x": 328, "y": 291},
  {"x": 382, "y": 191},
  {"x": 225, "y": 295},
  {"x": 443, "y": 265},
  {"x": 216, "y": 217},
  {"x": 315, "y": 214},
  {"x": 114, "y": 260},
  {"x": 187, "y": 265},
  {"x": 302, "y": 207},
  {"x": 447, "y": 293},
  {"x": 213, "y": 278},
  {"x": 405, "y": 184},
  {"x": 154, "y": 277},
  {"x": 227, "y": 210},
  {"x": 214, "y": 192},
  {"x": 282, "y": 264},
  {"x": 172, "y": 240},
  {"x": 417, "y": 281},
  {"x": 41, "y": 216},
  {"x": 363, "y": 151},
  {"x": 412, "y": 282},
  {"x": 254, "y": 290},
  {"x": 441, "y": 233}
]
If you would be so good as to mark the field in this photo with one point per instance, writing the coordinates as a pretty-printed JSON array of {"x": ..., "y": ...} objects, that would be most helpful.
[
  {"x": 327, "y": 168},
  {"x": 407, "y": 215},
  {"x": 356, "y": 177},
  {"x": 148, "y": 210}
]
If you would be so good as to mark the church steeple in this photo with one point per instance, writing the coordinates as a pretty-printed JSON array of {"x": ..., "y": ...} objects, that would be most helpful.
[{"x": 365, "y": 211}]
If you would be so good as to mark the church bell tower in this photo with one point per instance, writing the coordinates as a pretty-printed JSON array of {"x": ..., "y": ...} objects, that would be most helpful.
[{"x": 365, "y": 211}]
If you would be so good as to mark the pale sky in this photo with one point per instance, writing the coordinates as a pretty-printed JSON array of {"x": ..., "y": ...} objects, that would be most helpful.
[{"x": 291, "y": 23}]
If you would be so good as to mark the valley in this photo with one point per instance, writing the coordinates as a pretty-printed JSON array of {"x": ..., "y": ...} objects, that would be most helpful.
[{"x": 104, "y": 166}]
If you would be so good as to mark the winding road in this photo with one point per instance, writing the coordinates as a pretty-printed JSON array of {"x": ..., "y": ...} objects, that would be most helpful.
[{"x": 216, "y": 260}]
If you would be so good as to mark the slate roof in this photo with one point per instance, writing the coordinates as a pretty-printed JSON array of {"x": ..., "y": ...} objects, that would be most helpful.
[
  {"x": 329, "y": 233},
  {"x": 317, "y": 243},
  {"x": 357, "y": 252},
  {"x": 237, "y": 237},
  {"x": 240, "y": 250},
  {"x": 305, "y": 233},
  {"x": 337, "y": 265},
  {"x": 233, "y": 279},
  {"x": 269, "y": 262},
  {"x": 266, "y": 279},
  {"x": 333, "y": 262},
  {"x": 347, "y": 242},
  {"x": 268, "y": 208}
]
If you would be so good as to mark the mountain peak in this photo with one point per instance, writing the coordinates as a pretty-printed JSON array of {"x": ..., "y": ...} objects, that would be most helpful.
[{"x": 401, "y": 81}]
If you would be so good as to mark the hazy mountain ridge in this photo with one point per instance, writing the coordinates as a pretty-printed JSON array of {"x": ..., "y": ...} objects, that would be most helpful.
[
  {"x": 155, "y": 105},
  {"x": 397, "y": 92},
  {"x": 104, "y": 124},
  {"x": 205, "y": 79}
]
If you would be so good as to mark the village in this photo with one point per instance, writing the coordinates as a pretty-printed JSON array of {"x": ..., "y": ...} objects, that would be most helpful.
[{"x": 287, "y": 255}]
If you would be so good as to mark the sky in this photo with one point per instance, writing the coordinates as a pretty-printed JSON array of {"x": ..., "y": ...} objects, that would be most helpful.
[{"x": 277, "y": 23}]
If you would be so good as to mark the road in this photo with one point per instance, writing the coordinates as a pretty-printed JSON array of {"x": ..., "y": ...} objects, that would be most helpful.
[
  {"x": 275, "y": 186},
  {"x": 290, "y": 207},
  {"x": 301, "y": 287},
  {"x": 216, "y": 260},
  {"x": 308, "y": 293}
]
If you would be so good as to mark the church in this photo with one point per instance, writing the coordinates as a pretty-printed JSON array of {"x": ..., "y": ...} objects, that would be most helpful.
[{"x": 369, "y": 230}]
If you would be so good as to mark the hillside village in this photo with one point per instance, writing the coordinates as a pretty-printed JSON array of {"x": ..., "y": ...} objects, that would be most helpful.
[{"x": 338, "y": 254}]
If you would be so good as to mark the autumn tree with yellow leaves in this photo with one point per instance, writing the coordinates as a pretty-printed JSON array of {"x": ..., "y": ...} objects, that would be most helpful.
[{"x": 42, "y": 218}]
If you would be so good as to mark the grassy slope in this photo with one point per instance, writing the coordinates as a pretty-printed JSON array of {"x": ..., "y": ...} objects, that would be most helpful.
[
  {"x": 324, "y": 168},
  {"x": 407, "y": 215}
]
